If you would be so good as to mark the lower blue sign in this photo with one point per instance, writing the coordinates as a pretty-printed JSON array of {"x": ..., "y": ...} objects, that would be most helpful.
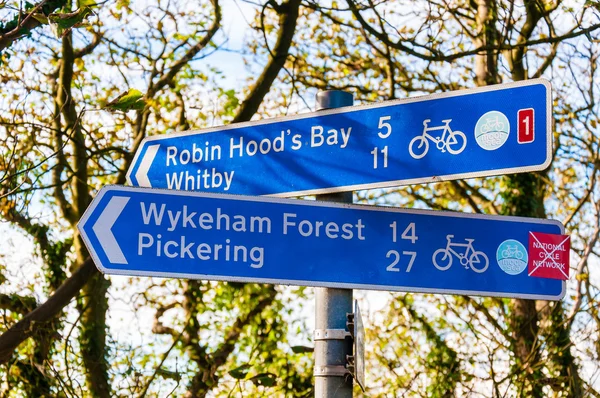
[{"x": 150, "y": 232}]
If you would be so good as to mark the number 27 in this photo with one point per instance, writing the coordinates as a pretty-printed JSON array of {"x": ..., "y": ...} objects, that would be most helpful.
[{"x": 394, "y": 253}]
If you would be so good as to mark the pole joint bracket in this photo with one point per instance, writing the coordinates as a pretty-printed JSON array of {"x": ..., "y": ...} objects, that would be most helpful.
[
  {"x": 331, "y": 334},
  {"x": 330, "y": 370}
]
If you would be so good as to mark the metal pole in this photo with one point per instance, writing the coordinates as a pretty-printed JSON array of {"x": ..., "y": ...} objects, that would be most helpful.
[{"x": 332, "y": 305}]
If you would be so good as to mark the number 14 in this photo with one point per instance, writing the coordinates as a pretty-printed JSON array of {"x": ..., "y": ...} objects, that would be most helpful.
[{"x": 408, "y": 234}]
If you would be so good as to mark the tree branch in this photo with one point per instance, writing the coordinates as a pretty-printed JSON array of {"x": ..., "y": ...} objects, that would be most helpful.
[
  {"x": 82, "y": 52},
  {"x": 580, "y": 267},
  {"x": 438, "y": 56},
  {"x": 189, "y": 55},
  {"x": 81, "y": 196},
  {"x": 59, "y": 145},
  {"x": 165, "y": 79},
  {"x": 288, "y": 17},
  {"x": 18, "y": 27},
  {"x": 17, "y": 303},
  {"x": 469, "y": 198},
  {"x": 207, "y": 378},
  {"x": 47, "y": 311}
]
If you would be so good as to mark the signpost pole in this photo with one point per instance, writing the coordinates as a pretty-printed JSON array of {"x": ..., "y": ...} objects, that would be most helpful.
[{"x": 332, "y": 305}]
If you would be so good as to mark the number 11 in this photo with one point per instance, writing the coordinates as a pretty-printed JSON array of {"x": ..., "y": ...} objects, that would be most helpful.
[{"x": 384, "y": 152}]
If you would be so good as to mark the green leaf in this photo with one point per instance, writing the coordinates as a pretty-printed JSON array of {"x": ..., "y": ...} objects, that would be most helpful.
[
  {"x": 41, "y": 18},
  {"x": 300, "y": 349},
  {"x": 264, "y": 379},
  {"x": 62, "y": 23},
  {"x": 240, "y": 372},
  {"x": 127, "y": 101},
  {"x": 592, "y": 3},
  {"x": 70, "y": 19},
  {"x": 167, "y": 374},
  {"x": 86, "y": 3},
  {"x": 231, "y": 102}
]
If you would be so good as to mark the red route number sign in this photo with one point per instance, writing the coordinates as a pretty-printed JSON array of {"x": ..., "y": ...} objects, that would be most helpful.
[
  {"x": 526, "y": 129},
  {"x": 549, "y": 255}
]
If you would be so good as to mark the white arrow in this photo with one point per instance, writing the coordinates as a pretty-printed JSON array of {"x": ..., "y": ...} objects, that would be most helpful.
[
  {"x": 142, "y": 173},
  {"x": 102, "y": 229}
]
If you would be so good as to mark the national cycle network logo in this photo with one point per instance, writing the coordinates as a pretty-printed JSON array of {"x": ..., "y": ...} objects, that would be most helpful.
[
  {"x": 512, "y": 257},
  {"x": 492, "y": 130}
]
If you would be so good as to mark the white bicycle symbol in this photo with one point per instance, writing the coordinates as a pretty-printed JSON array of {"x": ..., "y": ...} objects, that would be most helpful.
[
  {"x": 453, "y": 141},
  {"x": 492, "y": 124},
  {"x": 512, "y": 252},
  {"x": 477, "y": 260}
]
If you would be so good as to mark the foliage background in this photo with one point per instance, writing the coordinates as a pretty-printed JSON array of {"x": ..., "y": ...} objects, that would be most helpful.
[{"x": 68, "y": 331}]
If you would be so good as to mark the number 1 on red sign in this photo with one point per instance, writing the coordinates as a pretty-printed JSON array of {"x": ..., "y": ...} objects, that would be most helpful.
[{"x": 526, "y": 130}]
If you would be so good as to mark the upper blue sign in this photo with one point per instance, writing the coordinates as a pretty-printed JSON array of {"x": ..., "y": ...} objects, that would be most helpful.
[
  {"x": 469, "y": 133},
  {"x": 137, "y": 231}
]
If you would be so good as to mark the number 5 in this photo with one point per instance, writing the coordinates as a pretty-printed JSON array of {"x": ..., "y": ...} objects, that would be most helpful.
[{"x": 386, "y": 125}]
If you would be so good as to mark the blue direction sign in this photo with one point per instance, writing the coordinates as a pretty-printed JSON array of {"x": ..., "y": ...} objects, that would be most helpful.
[
  {"x": 137, "y": 231},
  {"x": 462, "y": 134}
]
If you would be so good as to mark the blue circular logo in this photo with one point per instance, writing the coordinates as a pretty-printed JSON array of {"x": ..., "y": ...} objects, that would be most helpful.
[
  {"x": 512, "y": 257},
  {"x": 492, "y": 130}
]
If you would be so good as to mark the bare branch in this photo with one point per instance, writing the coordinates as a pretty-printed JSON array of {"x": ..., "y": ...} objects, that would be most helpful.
[
  {"x": 583, "y": 262},
  {"x": 288, "y": 17},
  {"x": 165, "y": 79}
]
